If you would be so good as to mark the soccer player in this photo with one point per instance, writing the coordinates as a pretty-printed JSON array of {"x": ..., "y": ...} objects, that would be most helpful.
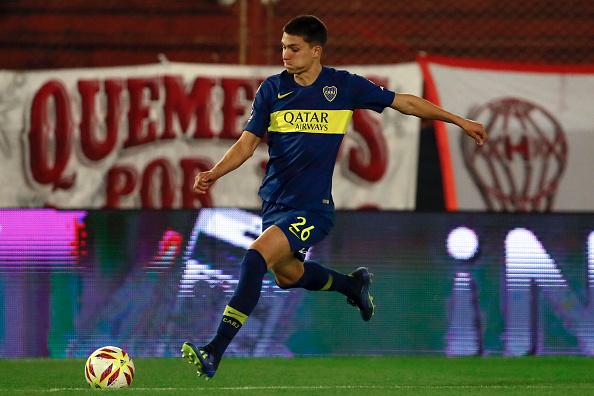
[{"x": 305, "y": 110}]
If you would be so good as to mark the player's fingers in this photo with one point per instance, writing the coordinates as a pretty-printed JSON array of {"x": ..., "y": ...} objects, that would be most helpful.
[
  {"x": 202, "y": 185},
  {"x": 201, "y": 178},
  {"x": 481, "y": 130},
  {"x": 205, "y": 181},
  {"x": 197, "y": 183},
  {"x": 483, "y": 135},
  {"x": 479, "y": 135},
  {"x": 200, "y": 189},
  {"x": 197, "y": 179},
  {"x": 478, "y": 139}
]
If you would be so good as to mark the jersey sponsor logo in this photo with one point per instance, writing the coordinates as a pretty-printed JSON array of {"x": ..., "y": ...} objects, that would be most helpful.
[
  {"x": 310, "y": 121},
  {"x": 280, "y": 95},
  {"x": 330, "y": 92}
]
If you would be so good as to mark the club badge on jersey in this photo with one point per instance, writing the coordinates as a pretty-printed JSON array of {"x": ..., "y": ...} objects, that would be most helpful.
[{"x": 330, "y": 92}]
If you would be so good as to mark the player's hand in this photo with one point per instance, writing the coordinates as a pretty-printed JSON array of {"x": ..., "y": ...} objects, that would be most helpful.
[
  {"x": 203, "y": 181},
  {"x": 475, "y": 130}
]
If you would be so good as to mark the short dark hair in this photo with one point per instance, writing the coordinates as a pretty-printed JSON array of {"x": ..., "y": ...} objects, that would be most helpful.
[{"x": 310, "y": 27}]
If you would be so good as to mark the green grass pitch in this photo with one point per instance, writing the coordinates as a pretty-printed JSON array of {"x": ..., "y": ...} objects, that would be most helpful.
[{"x": 395, "y": 375}]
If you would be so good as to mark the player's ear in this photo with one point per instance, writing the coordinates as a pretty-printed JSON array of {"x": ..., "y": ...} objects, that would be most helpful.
[{"x": 317, "y": 51}]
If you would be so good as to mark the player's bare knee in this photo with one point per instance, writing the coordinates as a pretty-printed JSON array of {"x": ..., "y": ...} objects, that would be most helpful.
[
  {"x": 287, "y": 272},
  {"x": 281, "y": 282},
  {"x": 285, "y": 282}
]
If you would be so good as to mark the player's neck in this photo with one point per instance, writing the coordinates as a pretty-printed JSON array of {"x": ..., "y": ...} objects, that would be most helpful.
[{"x": 308, "y": 76}]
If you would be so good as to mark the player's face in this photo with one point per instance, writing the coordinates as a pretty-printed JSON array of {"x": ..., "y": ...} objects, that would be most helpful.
[{"x": 299, "y": 55}]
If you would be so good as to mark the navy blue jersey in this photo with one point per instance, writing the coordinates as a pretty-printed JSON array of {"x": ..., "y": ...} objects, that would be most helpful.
[{"x": 305, "y": 126}]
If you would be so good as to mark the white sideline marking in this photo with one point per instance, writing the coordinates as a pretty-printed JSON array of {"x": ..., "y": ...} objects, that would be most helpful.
[{"x": 314, "y": 387}]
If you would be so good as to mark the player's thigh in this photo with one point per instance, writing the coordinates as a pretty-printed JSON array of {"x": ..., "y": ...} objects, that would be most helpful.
[{"x": 274, "y": 246}]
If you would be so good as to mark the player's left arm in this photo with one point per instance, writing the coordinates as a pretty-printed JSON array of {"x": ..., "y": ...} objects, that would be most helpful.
[{"x": 413, "y": 105}]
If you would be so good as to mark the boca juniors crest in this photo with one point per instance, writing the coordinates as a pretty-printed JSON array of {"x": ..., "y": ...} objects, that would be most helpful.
[{"x": 330, "y": 93}]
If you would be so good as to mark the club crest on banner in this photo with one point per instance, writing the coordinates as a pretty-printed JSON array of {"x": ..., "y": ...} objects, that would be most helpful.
[
  {"x": 521, "y": 165},
  {"x": 330, "y": 92}
]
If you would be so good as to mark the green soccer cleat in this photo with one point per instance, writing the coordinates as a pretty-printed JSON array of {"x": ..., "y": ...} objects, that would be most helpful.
[
  {"x": 204, "y": 361},
  {"x": 363, "y": 300}
]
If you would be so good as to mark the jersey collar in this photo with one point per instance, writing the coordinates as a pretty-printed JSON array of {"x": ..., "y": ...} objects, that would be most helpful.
[{"x": 287, "y": 81}]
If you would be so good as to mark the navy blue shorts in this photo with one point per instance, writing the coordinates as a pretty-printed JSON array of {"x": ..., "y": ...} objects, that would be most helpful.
[{"x": 303, "y": 228}]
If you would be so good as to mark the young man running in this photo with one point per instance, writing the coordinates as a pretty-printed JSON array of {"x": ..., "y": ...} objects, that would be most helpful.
[{"x": 306, "y": 111}]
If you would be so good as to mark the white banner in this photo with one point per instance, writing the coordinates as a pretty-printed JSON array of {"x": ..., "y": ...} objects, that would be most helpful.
[
  {"x": 541, "y": 135},
  {"x": 131, "y": 137}
]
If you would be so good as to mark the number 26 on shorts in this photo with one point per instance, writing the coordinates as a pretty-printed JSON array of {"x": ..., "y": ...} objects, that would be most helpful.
[{"x": 296, "y": 229}]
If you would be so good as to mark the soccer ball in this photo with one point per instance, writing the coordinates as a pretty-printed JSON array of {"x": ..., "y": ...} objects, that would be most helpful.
[{"x": 109, "y": 367}]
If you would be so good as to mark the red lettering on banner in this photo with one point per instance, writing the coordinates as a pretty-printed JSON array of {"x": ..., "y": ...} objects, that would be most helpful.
[
  {"x": 139, "y": 111},
  {"x": 374, "y": 167},
  {"x": 46, "y": 170},
  {"x": 196, "y": 103},
  {"x": 370, "y": 129},
  {"x": 232, "y": 109},
  {"x": 103, "y": 104},
  {"x": 121, "y": 181},
  {"x": 190, "y": 167},
  {"x": 158, "y": 184},
  {"x": 161, "y": 170},
  {"x": 93, "y": 148}
]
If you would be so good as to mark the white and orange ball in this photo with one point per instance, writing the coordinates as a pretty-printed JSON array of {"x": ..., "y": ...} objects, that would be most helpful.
[{"x": 109, "y": 367}]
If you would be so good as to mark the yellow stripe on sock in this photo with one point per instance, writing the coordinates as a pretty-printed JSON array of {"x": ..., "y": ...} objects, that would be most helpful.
[
  {"x": 235, "y": 314},
  {"x": 328, "y": 283}
]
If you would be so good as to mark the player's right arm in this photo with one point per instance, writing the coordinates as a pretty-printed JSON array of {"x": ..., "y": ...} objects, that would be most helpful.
[{"x": 243, "y": 149}]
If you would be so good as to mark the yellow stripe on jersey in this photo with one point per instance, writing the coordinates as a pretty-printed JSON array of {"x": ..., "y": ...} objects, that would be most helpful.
[
  {"x": 311, "y": 121},
  {"x": 235, "y": 314}
]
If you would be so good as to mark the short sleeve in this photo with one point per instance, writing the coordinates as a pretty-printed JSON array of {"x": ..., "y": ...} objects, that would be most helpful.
[
  {"x": 367, "y": 95},
  {"x": 259, "y": 118}
]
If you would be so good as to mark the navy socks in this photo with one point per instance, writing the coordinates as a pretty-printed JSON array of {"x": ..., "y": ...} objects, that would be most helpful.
[
  {"x": 253, "y": 268},
  {"x": 319, "y": 278},
  {"x": 243, "y": 302}
]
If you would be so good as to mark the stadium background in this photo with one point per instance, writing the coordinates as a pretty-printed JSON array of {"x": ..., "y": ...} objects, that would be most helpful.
[
  {"x": 94, "y": 33},
  {"x": 91, "y": 33},
  {"x": 68, "y": 34}
]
